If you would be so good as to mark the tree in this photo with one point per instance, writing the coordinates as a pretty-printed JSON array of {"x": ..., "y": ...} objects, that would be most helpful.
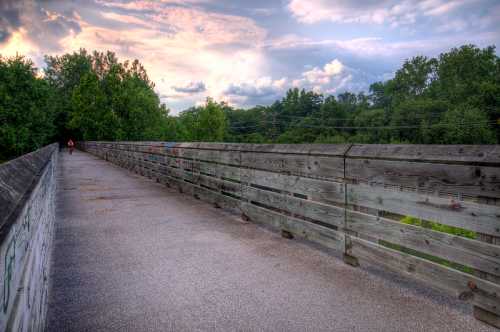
[
  {"x": 103, "y": 98},
  {"x": 451, "y": 99},
  {"x": 467, "y": 125},
  {"x": 414, "y": 78},
  {"x": 204, "y": 123},
  {"x": 26, "y": 109},
  {"x": 90, "y": 116}
]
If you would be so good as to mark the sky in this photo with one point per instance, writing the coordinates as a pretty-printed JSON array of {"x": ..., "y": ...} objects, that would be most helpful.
[{"x": 249, "y": 53}]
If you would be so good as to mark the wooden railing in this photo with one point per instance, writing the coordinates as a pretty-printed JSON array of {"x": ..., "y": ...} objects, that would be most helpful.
[{"x": 352, "y": 198}]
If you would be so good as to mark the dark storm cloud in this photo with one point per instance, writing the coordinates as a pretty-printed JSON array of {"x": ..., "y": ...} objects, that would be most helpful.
[
  {"x": 250, "y": 90},
  {"x": 251, "y": 94},
  {"x": 45, "y": 22},
  {"x": 192, "y": 87},
  {"x": 10, "y": 18}
]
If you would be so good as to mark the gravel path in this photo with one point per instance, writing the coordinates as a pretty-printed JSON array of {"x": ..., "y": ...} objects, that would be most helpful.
[{"x": 133, "y": 255}]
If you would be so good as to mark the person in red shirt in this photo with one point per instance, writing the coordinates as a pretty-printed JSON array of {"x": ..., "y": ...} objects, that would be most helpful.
[{"x": 71, "y": 145}]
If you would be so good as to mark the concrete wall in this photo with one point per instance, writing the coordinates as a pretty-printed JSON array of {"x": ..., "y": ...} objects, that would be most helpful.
[{"x": 27, "y": 213}]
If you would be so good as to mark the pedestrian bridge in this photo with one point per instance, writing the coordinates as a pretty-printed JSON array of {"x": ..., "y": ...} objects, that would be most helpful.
[{"x": 150, "y": 236}]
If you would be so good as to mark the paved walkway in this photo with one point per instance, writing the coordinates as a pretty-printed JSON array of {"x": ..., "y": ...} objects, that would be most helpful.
[{"x": 132, "y": 255}]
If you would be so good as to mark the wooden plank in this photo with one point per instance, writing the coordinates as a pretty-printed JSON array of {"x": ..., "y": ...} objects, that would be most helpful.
[
  {"x": 468, "y": 215},
  {"x": 480, "y": 292},
  {"x": 204, "y": 167},
  {"x": 315, "y": 233},
  {"x": 317, "y": 190},
  {"x": 471, "y": 154},
  {"x": 182, "y": 186},
  {"x": 472, "y": 253},
  {"x": 308, "y": 149},
  {"x": 296, "y": 164},
  {"x": 495, "y": 241},
  {"x": 225, "y": 157},
  {"x": 458, "y": 179},
  {"x": 487, "y": 317},
  {"x": 219, "y": 184},
  {"x": 221, "y": 171},
  {"x": 325, "y": 213},
  {"x": 176, "y": 173},
  {"x": 215, "y": 198}
]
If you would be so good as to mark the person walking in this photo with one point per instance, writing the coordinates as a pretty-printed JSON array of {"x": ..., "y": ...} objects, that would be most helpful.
[{"x": 71, "y": 145}]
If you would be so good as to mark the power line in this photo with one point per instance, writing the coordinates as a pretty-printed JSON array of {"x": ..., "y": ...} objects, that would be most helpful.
[
  {"x": 334, "y": 119},
  {"x": 378, "y": 127}
]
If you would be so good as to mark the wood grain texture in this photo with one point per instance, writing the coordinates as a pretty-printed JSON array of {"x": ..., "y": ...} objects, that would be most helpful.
[
  {"x": 471, "y": 154},
  {"x": 317, "y": 190},
  {"x": 468, "y": 215},
  {"x": 327, "y": 214},
  {"x": 295, "y": 164},
  {"x": 468, "y": 252},
  {"x": 480, "y": 292},
  {"x": 299, "y": 228},
  {"x": 470, "y": 180}
]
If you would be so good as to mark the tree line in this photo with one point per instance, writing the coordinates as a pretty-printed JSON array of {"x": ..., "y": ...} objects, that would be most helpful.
[{"x": 450, "y": 99}]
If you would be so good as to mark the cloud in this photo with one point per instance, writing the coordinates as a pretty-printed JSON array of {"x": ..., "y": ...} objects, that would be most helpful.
[
  {"x": 332, "y": 78},
  {"x": 239, "y": 52},
  {"x": 176, "y": 44},
  {"x": 378, "y": 48},
  {"x": 263, "y": 90},
  {"x": 190, "y": 88},
  {"x": 10, "y": 19},
  {"x": 40, "y": 25},
  {"x": 323, "y": 76},
  {"x": 392, "y": 12}
]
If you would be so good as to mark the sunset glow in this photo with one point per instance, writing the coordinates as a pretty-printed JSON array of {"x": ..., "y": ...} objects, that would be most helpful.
[{"x": 250, "y": 52}]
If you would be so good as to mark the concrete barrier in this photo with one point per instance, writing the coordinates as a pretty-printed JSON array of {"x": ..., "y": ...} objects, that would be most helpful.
[{"x": 27, "y": 213}]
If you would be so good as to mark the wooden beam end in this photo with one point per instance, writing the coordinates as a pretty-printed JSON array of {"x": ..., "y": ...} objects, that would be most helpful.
[
  {"x": 486, "y": 316},
  {"x": 351, "y": 260}
]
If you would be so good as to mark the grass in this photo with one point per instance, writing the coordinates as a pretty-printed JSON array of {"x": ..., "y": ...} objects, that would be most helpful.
[{"x": 436, "y": 227}]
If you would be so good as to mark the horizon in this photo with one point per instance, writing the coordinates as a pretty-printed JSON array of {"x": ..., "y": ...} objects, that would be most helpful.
[{"x": 250, "y": 54}]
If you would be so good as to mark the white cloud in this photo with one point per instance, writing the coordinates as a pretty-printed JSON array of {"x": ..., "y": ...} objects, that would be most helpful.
[
  {"x": 332, "y": 78},
  {"x": 323, "y": 76},
  {"x": 360, "y": 47},
  {"x": 178, "y": 45},
  {"x": 392, "y": 12},
  {"x": 262, "y": 90},
  {"x": 367, "y": 48}
]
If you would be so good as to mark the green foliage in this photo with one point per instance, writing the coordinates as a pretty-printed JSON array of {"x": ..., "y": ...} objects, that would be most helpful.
[
  {"x": 467, "y": 125},
  {"x": 205, "y": 123},
  {"x": 428, "y": 257},
  {"x": 26, "y": 113},
  {"x": 104, "y": 99},
  {"x": 450, "y": 99},
  {"x": 439, "y": 227}
]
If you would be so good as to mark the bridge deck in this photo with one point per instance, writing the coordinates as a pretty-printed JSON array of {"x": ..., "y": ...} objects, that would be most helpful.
[{"x": 132, "y": 255}]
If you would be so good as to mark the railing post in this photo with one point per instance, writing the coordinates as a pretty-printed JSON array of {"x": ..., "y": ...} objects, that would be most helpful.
[
  {"x": 348, "y": 258},
  {"x": 478, "y": 312}
]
